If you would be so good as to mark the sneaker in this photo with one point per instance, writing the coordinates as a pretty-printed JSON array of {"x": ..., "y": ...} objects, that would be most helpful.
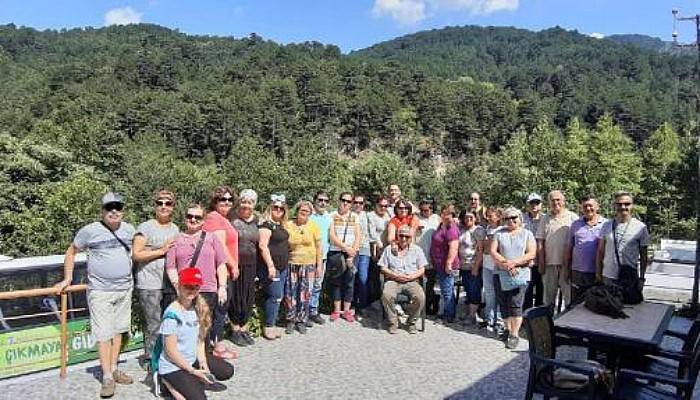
[
  {"x": 122, "y": 378},
  {"x": 392, "y": 329},
  {"x": 412, "y": 329},
  {"x": 512, "y": 342},
  {"x": 308, "y": 324},
  {"x": 317, "y": 319},
  {"x": 290, "y": 328},
  {"x": 248, "y": 338},
  {"x": 301, "y": 328},
  {"x": 108, "y": 387},
  {"x": 335, "y": 315},
  {"x": 504, "y": 335},
  {"x": 349, "y": 316},
  {"x": 269, "y": 333},
  {"x": 399, "y": 310},
  {"x": 238, "y": 339}
]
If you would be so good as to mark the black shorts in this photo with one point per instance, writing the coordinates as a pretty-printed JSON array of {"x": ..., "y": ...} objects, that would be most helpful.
[{"x": 509, "y": 301}]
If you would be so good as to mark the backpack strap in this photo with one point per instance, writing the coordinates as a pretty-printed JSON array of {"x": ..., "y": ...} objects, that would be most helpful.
[
  {"x": 126, "y": 247},
  {"x": 158, "y": 345},
  {"x": 197, "y": 249}
]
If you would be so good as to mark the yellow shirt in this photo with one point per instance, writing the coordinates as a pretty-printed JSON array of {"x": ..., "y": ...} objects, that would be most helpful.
[{"x": 302, "y": 242}]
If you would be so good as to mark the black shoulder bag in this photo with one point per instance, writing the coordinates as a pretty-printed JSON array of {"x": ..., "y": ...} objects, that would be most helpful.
[
  {"x": 336, "y": 263},
  {"x": 197, "y": 250},
  {"x": 627, "y": 276}
]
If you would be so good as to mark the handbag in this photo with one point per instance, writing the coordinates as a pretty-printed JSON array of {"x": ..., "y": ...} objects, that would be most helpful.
[
  {"x": 336, "y": 263},
  {"x": 605, "y": 300},
  {"x": 627, "y": 277},
  {"x": 510, "y": 282}
]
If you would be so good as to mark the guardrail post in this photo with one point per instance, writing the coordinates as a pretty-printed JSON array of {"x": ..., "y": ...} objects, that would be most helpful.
[{"x": 64, "y": 334}]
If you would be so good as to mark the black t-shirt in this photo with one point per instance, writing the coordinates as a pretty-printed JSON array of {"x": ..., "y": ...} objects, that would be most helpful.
[
  {"x": 278, "y": 244},
  {"x": 248, "y": 238}
]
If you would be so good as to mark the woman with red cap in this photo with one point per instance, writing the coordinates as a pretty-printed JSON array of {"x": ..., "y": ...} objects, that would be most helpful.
[{"x": 184, "y": 366}]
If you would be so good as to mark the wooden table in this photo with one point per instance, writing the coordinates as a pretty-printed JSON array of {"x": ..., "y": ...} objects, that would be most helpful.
[{"x": 642, "y": 331}]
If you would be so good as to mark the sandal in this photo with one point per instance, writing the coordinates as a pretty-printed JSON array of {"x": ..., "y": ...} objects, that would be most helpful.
[{"x": 223, "y": 351}]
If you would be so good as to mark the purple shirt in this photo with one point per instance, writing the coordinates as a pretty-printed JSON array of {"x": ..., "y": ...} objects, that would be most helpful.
[
  {"x": 584, "y": 239},
  {"x": 211, "y": 256},
  {"x": 440, "y": 246}
]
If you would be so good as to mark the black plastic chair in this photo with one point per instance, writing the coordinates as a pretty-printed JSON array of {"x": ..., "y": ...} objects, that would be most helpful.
[
  {"x": 403, "y": 299},
  {"x": 544, "y": 367},
  {"x": 678, "y": 370}
]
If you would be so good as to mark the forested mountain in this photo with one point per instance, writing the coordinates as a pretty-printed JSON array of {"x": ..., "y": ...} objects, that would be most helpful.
[
  {"x": 498, "y": 110},
  {"x": 566, "y": 73},
  {"x": 642, "y": 41}
]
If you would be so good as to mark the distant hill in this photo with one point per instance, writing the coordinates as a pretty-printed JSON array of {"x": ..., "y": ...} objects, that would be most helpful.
[
  {"x": 642, "y": 41},
  {"x": 575, "y": 74}
]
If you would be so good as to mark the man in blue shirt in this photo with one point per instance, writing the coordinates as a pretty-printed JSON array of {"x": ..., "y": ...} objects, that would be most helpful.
[{"x": 322, "y": 218}]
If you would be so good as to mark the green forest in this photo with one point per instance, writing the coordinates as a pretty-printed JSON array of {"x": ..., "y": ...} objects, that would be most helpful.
[{"x": 502, "y": 111}]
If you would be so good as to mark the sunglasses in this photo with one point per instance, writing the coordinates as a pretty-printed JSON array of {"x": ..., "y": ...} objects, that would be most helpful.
[
  {"x": 382, "y": 205},
  {"x": 192, "y": 217},
  {"x": 322, "y": 200},
  {"x": 535, "y": 202},
  {"x": 164, "y": 203},
  {"x": 109, "y": 207},
  {"x": 225, "y": 199},
  {"x": 623, "y": 204},
  {"x": 404, "y": 236},
  {"x": 358, "y": 202},
  {"x": 402, "y": 208},
  {"x": 345, "y": 201},
  {"x": 277, "y": 208},
  {"x": 511, "y": 219}
]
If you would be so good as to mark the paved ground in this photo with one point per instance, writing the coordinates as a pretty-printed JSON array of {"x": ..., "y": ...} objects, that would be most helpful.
[{"x": 336, "y": 361}]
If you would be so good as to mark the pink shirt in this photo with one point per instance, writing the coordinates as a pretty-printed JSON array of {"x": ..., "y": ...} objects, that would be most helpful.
[
  {"x": 217, "y": 222},
  {"x": 211, "y": 256}
]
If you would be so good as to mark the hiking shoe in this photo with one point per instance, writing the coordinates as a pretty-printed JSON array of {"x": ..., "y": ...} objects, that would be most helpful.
[
  {"x": 108, "y": 387},
  {"x": 335, "y": 315},
  {"x": 290, "y": 328},
  {"x": 512, "y": 342},
  {"x": 349, "y": 316},
  {"x": 248, "y": 338},
  {"x": 412, "y": 329},
  {"x": 238, "y": 339},
  {"x": 301, "y": 327},
  {"x": 392, "y": 329},
  {"x": 122, "y": 378},
  {"x": 317, "y": 319}
]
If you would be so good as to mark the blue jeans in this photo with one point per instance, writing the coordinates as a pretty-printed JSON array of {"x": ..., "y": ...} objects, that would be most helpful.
[
  {"x": 447, "y": 292},
  {"x": 361, "y": 282},
  {"x": 274, "y": 290},
  {"x": 316, "y": 288},
  {"x": 472, "y": 285},
  {"x": 490, "y": 312}
]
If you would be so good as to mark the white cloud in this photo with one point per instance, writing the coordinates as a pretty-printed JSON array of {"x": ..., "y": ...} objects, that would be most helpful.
[
  {"x": 413, "y": 11},
  {"x": 479, "y": 6},
  {"x": 122, "y": 16},
  {"x": 597, "y": 35},
  {"x": 404, "y": 11}
]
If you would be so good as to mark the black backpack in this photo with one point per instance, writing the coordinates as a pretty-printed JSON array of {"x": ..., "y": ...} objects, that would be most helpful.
[{"x": 605, "y": 300}]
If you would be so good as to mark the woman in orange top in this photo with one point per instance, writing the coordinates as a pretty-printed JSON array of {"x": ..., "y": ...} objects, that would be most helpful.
[{"x": 403, "y": 216}]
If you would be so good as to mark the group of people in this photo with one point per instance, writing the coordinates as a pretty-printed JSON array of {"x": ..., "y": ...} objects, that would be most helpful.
[{"x": 192, "y": 283}]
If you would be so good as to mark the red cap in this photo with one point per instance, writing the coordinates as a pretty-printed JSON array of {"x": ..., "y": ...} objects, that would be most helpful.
[{"x": 191, "y": 277}]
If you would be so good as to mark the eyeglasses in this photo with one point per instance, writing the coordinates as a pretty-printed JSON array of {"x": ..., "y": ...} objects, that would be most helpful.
[
  {"x": 626, "y": 204},
  {"x": 382, "y": 205},
  {"x": 512, "y": 219},
  {"x": 277, "y": 208},
  {"x": 426, "y": 210},
  {"x": 322, "y": 200},
  {"x": 193, "y": 217},
  {"x": 346, "y": 201},
  {"x": 223, "y": 199},
  {"x": 109, "y": 207},
  {"x": 164, "y": 203}
]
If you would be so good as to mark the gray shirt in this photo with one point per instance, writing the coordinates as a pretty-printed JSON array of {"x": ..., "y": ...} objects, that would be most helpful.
[
  {"x": 376, "y": 227},
  {"x": 631, "y": 236},
  {"x": 412, "y": 261},
  {"x": 364, "y": 229},
  {"x": 149, "y": 275},
  {"x": 514, "y": 245},
  {"x": 468, "y": 240},
  {"x": 108, "y": 262}
]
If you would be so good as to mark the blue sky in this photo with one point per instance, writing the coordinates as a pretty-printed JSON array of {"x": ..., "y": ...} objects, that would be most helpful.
[{"x": 354, "y": 24}]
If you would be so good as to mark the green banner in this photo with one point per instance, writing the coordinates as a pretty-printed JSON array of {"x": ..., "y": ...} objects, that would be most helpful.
[{"x": 35, "y": 349}]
